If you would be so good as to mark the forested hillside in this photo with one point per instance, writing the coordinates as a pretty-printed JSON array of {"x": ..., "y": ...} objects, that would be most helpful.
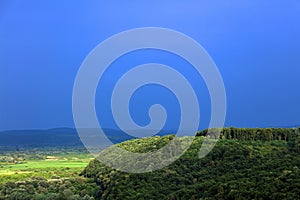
[{"x": 245, "y": 164}]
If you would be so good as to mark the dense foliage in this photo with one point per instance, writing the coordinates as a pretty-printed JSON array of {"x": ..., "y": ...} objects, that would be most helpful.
[
  {"x": 52, "y": 189},
  {"x": 245, "y": 164}
]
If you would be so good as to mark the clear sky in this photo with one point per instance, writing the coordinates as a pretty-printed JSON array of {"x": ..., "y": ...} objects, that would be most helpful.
[{"x": 255, "y": 44}]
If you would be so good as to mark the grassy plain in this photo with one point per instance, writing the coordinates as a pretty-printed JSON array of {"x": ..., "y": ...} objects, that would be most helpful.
[{"x": 50, "y": 164}]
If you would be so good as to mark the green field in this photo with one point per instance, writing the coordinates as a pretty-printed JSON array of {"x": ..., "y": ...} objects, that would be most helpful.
[
  {"x": 58, "y": 164},
  {"x": 44, "y": 173},
  {"x": 42, "y": 165}
]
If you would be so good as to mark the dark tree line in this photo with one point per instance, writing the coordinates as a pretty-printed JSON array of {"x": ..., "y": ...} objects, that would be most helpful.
[{"x": 262, "y": 134}]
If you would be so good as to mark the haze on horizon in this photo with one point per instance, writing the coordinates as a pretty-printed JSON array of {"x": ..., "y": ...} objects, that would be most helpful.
[{"x": 255, "y": 45}]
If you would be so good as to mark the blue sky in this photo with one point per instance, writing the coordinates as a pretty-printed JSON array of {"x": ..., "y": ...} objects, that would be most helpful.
[{"x": 255, "y": 44}]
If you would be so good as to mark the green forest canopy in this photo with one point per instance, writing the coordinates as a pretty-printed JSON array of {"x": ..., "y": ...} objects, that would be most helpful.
[{"x": 245, "y": 164}]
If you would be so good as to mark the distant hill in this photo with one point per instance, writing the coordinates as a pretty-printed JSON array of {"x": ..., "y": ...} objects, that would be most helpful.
[
  {"x": 52, "y": 137},
  {"x": 69, "y": 136}
]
